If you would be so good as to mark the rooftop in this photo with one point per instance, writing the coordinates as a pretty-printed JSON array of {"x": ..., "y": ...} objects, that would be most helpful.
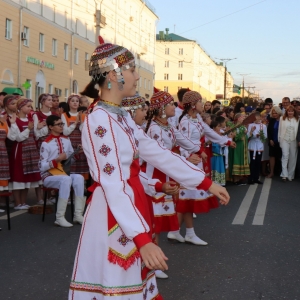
[{"x": 171, "y": 37}]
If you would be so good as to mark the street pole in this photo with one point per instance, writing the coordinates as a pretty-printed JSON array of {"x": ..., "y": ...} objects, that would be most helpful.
[
  {"x": 225, "y": 61},
  {"x": 97, "y": 23},
  {"x": 243, "y": 94}
]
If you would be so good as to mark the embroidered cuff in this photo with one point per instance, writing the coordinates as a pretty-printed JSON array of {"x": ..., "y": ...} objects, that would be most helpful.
[
  {"x": 158, "y": 187},
  {"x": 54, "y": 163},
  {"x": 228, "y": 143},
  {"x": 141, "y": 240},
  {"x": 205, "y": 184}
]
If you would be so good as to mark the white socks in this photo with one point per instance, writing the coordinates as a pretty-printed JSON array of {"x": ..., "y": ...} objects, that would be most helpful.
[{"x": 190, "y": 231}]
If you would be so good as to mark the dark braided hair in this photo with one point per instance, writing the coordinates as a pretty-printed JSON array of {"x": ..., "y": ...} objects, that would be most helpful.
[
  {"x": 90, "y": 89},
  {"x": 150, "y": 115},
  {"x": 186, "y": 109}
]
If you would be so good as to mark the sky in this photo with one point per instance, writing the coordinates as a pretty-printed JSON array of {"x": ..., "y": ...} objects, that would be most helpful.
[{"x": 263, "y": 36}]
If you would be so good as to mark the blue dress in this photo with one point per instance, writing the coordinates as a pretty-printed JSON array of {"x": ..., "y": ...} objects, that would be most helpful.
[{"x": 217, "y": 165}]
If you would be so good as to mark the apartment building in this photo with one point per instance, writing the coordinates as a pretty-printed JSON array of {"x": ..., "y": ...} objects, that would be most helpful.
[{"x": 181, "y": 62}]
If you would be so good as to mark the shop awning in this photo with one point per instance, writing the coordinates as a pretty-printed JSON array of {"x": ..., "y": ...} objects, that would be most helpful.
[{"x": 13, "y": 90}]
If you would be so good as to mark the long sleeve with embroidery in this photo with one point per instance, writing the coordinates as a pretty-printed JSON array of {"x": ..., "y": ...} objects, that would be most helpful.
[
  {"x": 13, "y": 132},
  {"x": 38, "y": 133},
  {"x": 151, "y": 185},
  {"x": 67, "y": 129}
]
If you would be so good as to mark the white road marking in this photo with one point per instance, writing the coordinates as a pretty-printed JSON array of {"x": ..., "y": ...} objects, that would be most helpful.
[
  {"x": 14, "y": 214},
  {"x": 262, "y": 203},
  {"x": 245, "y": 205}
]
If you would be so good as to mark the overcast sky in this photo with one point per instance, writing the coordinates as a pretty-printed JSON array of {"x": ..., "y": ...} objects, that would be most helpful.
[{"x": 263, "y": 36}]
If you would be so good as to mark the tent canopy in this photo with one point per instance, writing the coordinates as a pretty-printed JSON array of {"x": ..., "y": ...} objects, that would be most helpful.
[{"x": 13, "y": 90}]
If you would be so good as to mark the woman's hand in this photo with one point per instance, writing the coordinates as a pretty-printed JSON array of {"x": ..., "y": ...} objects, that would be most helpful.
[
  {"x": 194, "y": 159},
  {"x": 78, "y": 118},
  {"x": 204, "y": 156},
  {"x": 153, "y": 257},
  {"x": 232, "y": 144},
  {"x": 220, "y": 192},
  {"x": 41, "y": 124},
  {"x": 30, "y": 125},
  {"x": 170, "y": 188},
  {"x": 13, "y": 118}
]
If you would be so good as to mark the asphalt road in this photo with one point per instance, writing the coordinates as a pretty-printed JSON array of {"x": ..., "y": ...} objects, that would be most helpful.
[{"x": 243, "y": 260}]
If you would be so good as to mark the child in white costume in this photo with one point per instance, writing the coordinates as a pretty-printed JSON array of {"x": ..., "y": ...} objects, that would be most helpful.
[{"x": 115, "y": 256}]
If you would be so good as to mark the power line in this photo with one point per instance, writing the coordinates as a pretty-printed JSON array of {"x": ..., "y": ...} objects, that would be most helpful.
[{"x": 235, "y": 12}]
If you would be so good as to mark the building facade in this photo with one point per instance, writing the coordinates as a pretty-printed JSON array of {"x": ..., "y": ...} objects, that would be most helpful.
[
  {"x": 46, "y": 44},
  {"x": 182, "y": 63}
]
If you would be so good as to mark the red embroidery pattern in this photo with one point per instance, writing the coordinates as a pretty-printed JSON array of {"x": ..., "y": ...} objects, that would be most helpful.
[
  {"x": 182, "y": 193},
  {"x": 108, "y": 169},
  {"x": 104, "y": 150},
  {"x": 183, "y": 129},
  {"x": 166, "y": 207},
  {"x": 123, "y": 240},
  {"x": 42, "y": 149},
  {"x": 151, "y": 288},
  {"x": 137, "y": 142},
  {"x": 120, "y": 119},
  {"x": 156, "y": 137},
  {"x": 100, "y": 131}
]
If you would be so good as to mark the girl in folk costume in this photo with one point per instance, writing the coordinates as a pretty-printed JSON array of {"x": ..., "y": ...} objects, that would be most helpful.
[
  {"x": 161, "y": 108},
  {"x": 217, "y": 160},
  {"x": 240, "y": 159},
  {"x": 39, "y": 118},
  {"x": 257, "y": 134},
  {"x": 9, "y": 105},
  {"x": 24, "y": 157},
  {"x": 193, "y": 201},
  {"x": 73, "y": 121},
  {"x": 265, "y": 155},
  {"x": 115, "y": 256}
]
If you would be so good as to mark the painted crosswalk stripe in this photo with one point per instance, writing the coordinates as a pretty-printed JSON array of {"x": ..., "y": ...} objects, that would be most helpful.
[
  {"x": 262, "y": 203},
  {"x": 245, "y": 205},
  {"x": 14, "y": 214}
]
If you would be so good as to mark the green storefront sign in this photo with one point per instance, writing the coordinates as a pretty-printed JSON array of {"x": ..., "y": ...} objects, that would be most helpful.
[{"x": 41, "y": 63}]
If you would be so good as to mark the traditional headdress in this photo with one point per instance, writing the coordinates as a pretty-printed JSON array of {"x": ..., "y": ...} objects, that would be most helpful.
[
  {"x": 108, "y": 57},
  {"x": 131, "y": 104},
  {"x": 9, "y": 98},
  {"x": 73, "y": 96},
  {"x": 191, "y": 98},
  {"x": 160, "y": 99},
  {"x": 22, "y": 102}
]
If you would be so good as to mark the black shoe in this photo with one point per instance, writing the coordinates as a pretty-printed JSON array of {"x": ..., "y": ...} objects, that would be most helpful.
[
  {"x": 250, "y": 182},
  {"x": 240, "y": 182},
  {"x": 258, "y": 182}
]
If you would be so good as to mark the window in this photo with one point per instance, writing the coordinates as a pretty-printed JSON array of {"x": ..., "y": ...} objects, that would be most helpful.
[
  {"x": 26, "y": 36},
  {"x": 8, "y": 29},
  {"x": 149, "y": 85},
  {"x": 179, "y": 76},
  {"x": 167, "y": 51},
  {"x": 50, "y": 89},
  {"x": 28, "y": 93},
  {"x": 54, "y": 47},
  {"x": 141, "y": 81},
  {"x": 76, "y": 58},
  {"x": 145, "y": 83},
  {"x": 166, "y": 76},
  {"x": 66, "y": 94},
  {"x": 86, "y": 56},
  {"x": 166, "y": 64},
  {"x": 54, "y": 13},
  {"x": 41, "y": 42},
  {"x": 180, "y": 51},
  {"x": 180, "y": 64},
  {"x": 66, "y": 19},
  {"x": 66, "y": 51},
  {"x": 57, "y": 92},
  {"x": 166, "y": 89},
  {"x": 75, "y": 87}
]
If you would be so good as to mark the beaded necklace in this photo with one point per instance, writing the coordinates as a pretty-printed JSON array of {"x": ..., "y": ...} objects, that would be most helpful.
[{"x": 110, "y": 103}]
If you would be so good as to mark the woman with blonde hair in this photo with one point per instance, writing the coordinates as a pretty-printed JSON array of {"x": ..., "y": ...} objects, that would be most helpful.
[
  {"x": 274, "y": 148},
  {"x": 287, "y": 133}
]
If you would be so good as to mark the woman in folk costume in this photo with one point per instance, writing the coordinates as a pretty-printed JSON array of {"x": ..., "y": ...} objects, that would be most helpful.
[
  {"x": 240, "y": 160},
  {"x": 39, "y": 118},
  {"x": 24, "y": 157},
  {"x": 193, "y": 201},
  {"x": 73, "y": 121},
  {"x": 115, "y": 256},
  {"x": 161, "y": 109}
]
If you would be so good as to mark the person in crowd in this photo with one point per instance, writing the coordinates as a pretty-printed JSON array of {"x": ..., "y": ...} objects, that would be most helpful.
[
  {"x": 121, "y": 252},
  {"x": 208, "y": 147},
  {"x": 274, "y": 147},
  {"x": 217, "y": 160},
  {"x": 207, "y": 107},
  {"x": 216, "y": 110},
  {"x": 62, "y": 108},
  {"x": 73, "y": 122},
  {"x": 9, "y": 105},
  {"x": 55, "y": 105},
  {"x": 240, "y": 161},
  {"x": 2, "y": 95},
  {"x": 24, "y": 157},
  {"x": 298, "y": 107},
  {"x": 215, "y": 104},
  {"x": 287, "y": 136},
  {"x": 285, "y": 103},
  {"x": 257, "y": 134},
  {"x": 84, "y": 101},
  {"x": 221, "y": 113},
  {"x": 239, "y": 108},
  {"x": 55, "y": 149},
  {"x": 265, "y": 155},
  {"x": 179, "y": 108},
  {"x": 161, "y": 109},
  {"x": 269, "y": 101},
  {"x": 39, "y": 118},
  {"x": 229, "y": 114}
]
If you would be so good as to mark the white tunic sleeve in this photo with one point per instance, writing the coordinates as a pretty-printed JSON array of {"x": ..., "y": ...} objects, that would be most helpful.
[
  {"x": 155, "y": 133},
  {"x": 148, "y": 184},
  {"x": 185, "y": 142},
  {"x": 13, "y": 131},
  {"x": 99, "y": 132},
  {"x": 67, "y": 129},
  {"x": 22, "y": 136},
  {"x": 171, "y": 164},
  {"x": 45, "y": 162},
  {"x": 38, "y": 133}
]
